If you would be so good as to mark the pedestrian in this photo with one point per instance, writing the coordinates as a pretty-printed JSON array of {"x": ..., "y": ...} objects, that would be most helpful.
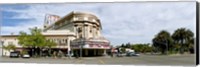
[
  {"x": 76, "y": 54},
  {"x": 112, "y": 52},
  {"x": 60, "y": 54},
  {"x": 70, "y": 54},
  {"x": 54, "y": 54},
  {"x": 120, "y": 51},
  {"x": 117, "y": 51}
]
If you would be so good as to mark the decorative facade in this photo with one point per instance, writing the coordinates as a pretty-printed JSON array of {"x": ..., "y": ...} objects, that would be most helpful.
[
  {"x": 79, "y": 32},
  {"x": 86, "y": 28}
]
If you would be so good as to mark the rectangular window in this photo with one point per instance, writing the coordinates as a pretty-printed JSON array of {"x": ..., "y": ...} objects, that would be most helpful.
[
  {"x": 64, "y": 41},
  {"x": 10, "y": 42}
]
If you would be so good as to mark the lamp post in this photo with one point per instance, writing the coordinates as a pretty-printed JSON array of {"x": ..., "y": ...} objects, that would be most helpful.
[
  {"x": 82, "y": 41},
  {"x": 69, "y": 48},
  {"x": 81, "y": 48}
]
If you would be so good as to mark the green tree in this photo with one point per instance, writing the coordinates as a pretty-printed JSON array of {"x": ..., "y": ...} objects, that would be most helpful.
[
  {"x": 9, "y": 47},
  {"x": 162, "y": 41},
  {"x": 183, "y": 38},
  {"x": 37, "y": 38},
  {"x": 32, "y": 40},
  {"x": 25, "y": 40},
  {"x": 123, "y": 46},
  {"x": 141, "y": 48},
  {"x": 128, "y": 45},
  {"x": 49, "y": 45},
  {"x": 191, "y": 45}
]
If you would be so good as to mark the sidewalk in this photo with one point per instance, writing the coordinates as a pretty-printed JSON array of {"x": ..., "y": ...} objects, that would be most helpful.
[{"x": 182, "y": 54}]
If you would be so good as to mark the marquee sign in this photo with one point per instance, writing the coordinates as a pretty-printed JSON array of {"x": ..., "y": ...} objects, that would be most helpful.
[
  {"x": 90, "y": 44},
  {"x": 49, "y": 18}
]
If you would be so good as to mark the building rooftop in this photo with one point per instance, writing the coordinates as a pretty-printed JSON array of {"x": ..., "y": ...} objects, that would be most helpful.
[{"x": 72, "y": 14}]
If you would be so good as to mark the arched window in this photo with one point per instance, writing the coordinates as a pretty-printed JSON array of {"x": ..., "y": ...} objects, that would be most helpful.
[{"x": 79, "y": 30}]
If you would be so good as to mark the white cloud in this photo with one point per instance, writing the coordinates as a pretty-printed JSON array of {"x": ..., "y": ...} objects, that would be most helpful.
[{"x": 122, "y": 22}]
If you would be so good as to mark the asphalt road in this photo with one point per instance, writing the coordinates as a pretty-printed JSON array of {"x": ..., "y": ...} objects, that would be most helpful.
[{"x": 180, "y": 60}]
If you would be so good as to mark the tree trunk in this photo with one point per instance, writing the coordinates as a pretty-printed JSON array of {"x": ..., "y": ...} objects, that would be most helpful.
[
  {"x": 40, "y": 54},
  {"x": 181, "y": 48},
  {"x": 33, "y": 51},
  {"x": 50, "y": 52}
]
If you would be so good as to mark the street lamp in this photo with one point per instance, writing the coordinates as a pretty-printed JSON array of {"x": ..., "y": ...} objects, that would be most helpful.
[
  {"x": 69, "y": 48},
  {"x": 82, "y": 40},
  {"x": 81, "y": 47}
]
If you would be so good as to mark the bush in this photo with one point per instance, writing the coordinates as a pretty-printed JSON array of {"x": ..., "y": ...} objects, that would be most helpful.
[{"x": 123, "y": 50}]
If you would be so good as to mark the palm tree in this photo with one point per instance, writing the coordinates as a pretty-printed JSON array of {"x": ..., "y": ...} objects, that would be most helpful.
[
  {"x": 162, "y": 41},
  {"x": 182, "y": 37}
]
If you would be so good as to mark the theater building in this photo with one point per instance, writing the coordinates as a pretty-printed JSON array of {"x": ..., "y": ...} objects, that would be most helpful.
[
  {"x": 86, "y": 28},
  {"x": 79, "y": 32}
]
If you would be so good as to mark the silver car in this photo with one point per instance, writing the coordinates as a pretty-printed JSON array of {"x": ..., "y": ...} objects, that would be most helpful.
[{"x": 132, "y": 54}]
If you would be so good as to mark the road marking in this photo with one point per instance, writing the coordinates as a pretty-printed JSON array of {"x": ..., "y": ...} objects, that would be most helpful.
[{"x": 101, "y": 61}]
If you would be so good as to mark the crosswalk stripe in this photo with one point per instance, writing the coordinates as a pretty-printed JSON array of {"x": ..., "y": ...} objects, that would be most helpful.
[{"x": 101, "y": 61}]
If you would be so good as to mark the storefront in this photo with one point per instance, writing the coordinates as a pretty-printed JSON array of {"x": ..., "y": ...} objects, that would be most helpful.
[{"x": 90, "y": 48}]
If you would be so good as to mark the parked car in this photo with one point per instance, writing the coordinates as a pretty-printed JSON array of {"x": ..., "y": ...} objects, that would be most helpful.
[
  {"x": 72, "y": 54},
  {"x": 15, "y": 54},
  {"x": 25, "y": 56},
  {"x": 120, "y": 54},
  {"x": 132, "y": 54}
]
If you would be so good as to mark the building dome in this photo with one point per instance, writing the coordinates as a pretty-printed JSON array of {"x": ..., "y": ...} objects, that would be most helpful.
[
  {"x": 86, "y": 16},
  {"x": 84, "y": 13}
]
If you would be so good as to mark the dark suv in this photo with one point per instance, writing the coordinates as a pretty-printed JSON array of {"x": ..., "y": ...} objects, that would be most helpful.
[{"x": 15, "y": 54}]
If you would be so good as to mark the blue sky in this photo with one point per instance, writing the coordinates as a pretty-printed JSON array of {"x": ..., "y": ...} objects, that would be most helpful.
[{"x": 136, "y": 22}]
